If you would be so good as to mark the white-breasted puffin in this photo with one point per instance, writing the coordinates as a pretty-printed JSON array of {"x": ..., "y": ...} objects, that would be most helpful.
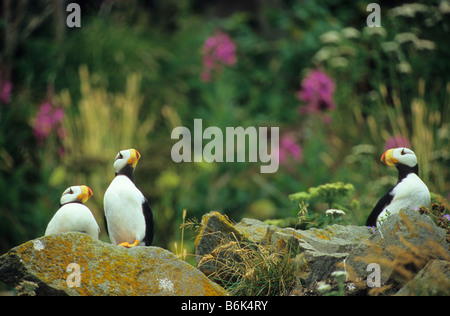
[
  {"x": 73, "y": 215},
  {"x": 409, "y": 190},
  {"x": 128, "y": 216}
]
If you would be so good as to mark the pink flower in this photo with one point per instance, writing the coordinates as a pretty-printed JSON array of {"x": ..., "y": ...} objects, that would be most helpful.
[
  {"x": 48, "y": 119},
  {"x": 397, "y": 141},
  {"x": 289, "y": 150},
  {"x": 218, "y": 51},
  {"x": 317, "y": 92},
  {"x": 5, "y": 90}
]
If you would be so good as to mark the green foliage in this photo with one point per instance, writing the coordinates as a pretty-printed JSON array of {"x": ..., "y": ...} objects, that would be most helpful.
[
  {"x": 22, "y": 209},
  {"x": 330, "y": 193},
  {"x": 334, "y": 196},
  {"x": 389, "y": 81}
]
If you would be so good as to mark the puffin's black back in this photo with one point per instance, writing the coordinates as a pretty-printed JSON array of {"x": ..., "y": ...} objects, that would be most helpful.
[
  {"x": 403, "y": 172},
  {"x": 149, "y": 225},
  {"x": 379, "y": 207}
]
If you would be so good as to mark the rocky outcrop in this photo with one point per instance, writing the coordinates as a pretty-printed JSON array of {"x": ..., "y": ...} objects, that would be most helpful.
[
  {"x": 76, "y": 264},
  {"x": 319, "y": 250},
  {"x": 432, "y": 280},
  {"x": 401, "y": 248}
]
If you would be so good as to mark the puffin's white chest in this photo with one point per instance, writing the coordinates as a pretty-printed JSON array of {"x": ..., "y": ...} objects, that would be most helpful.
[
  {"x": 73, "y": 217},
  {"x": 123, "y": 211},
  {"x": 410, "y": 192}
]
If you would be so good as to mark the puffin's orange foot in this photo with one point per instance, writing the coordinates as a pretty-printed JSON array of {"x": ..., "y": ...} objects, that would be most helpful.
[{"x": 128, "y": 245}]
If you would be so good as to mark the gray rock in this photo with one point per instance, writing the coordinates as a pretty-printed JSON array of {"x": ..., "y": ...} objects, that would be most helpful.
[
  {"x": 75, "y": 264},
  {"x": 432, "y": 280},
  {"x": 216, "y": 230},
  {"x": 404, "y": 244},
  {"x": 401, "y": 247},
  {"x": 319, "y": 250},
  {"x": 323, "y": 251}
]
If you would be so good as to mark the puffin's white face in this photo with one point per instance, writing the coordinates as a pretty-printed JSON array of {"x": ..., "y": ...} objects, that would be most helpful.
[
  {"x": 126, "y": 157},
  {"x": 402, "y": 155},
  {"x": 77, "y": 193}
]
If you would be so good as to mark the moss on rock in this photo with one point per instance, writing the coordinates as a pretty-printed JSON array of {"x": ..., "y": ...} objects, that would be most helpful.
[{"x": 104, "y": 269}]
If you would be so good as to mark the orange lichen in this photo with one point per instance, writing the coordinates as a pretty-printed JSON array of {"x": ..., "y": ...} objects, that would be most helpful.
[
  {"x": 395, "y": 229},
  {"x": 107, "y": 269},
  {"x": 409, "y": 225}
]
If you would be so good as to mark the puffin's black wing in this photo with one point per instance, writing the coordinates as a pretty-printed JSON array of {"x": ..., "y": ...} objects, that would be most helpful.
[
  {"x": 379, "y": 207},
  {"x": 106, "y": 223},
  {"x": 149, "y": 229}
]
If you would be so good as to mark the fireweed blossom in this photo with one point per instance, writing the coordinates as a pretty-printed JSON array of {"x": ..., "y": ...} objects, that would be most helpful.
[
  {"x": 317, "y": 93},
  {"x": 397, "y": 141},
  {"x": 289, "y": 150},
  {"x": 218, "y": 51},
  {"x": 48, "y": 119}
]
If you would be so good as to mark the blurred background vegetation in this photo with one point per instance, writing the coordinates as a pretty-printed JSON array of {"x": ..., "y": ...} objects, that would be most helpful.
[{"x": 341, "y": 93}]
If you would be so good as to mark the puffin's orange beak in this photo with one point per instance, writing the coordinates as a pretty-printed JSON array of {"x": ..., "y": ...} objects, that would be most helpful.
[
  {"x": 387, "y": 158},
  {"x": 135, "y": 156},
  {"x": 86, "y": 193}
]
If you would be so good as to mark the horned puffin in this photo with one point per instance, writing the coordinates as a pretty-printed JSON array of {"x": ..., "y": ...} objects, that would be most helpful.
[
  {"x": 409, "y": 190},
  {"x": 128, "y": 216},
  {"x": 73, "y": 215}
]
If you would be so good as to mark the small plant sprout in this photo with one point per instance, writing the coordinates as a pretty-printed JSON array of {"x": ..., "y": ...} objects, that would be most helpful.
[
  {"x": 182, "y": 253},
  {"x": 302, "y": 214}
]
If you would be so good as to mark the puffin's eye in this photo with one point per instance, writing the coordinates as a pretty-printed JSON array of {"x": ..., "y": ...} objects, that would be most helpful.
[
  {"x": 403, "y": 152},
  {"x": 69, "y": 191},
  {"x": 119, "y": 156}
]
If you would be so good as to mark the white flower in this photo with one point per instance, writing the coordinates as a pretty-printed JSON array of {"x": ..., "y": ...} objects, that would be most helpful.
[
  {"x": 330, "y": 37},
  {"x": 323, "y": 287},
  {"x": 350, "y": 286},
  {"x": 424, "y": 44},
  {"x": 405, "y": 37},
  {"x": 374, "y": 31},
  {"x": 339, "y": 274},
  {"x": 334, "y": 211},
  {"x": 408, "y": 10},
  {"x": 350, "y": 32}
]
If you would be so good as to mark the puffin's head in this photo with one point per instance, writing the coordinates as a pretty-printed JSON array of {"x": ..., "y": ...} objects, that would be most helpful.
[
  {"x": 399, "y": 156},
  {"x": 127, "y": 157},
  {"x": 76, "y": 193}
]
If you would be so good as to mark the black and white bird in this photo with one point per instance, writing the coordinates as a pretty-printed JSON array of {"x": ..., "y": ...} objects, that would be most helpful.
[
  {"x": 410, "y": 191},
  {"x": 73, "y": 215},
  {"x": 128, "y": 216}
]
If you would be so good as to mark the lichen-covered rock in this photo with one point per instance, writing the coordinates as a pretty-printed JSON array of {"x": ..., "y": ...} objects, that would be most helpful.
[
  {"x": 76, "y": 264},
  {"x": 323, "y": 250},
  {"x": 432, "y": 280},
  {"x": 215, "y": 228},
  {"x": 402, "y": 246},
  {"x": 320, "y": 249}
]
